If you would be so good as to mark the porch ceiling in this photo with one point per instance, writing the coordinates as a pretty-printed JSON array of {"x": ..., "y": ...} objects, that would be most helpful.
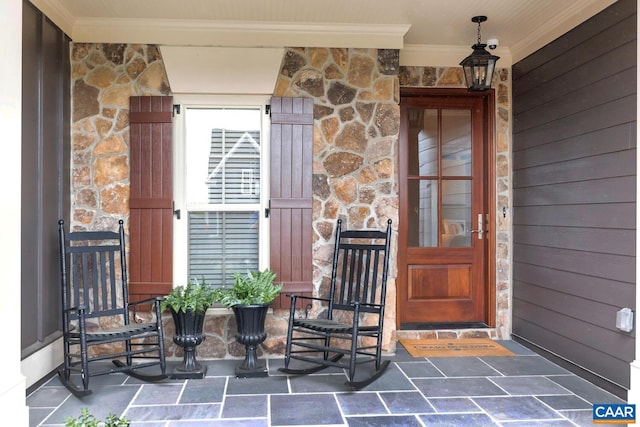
[{"x": 522, "y": 26}]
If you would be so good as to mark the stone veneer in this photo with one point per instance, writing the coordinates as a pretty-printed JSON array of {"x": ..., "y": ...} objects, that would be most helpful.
[
  {"x": 356, "y": 125},
  {"x": 356, "y": 97},
  {"x": 104, "y": 76}
]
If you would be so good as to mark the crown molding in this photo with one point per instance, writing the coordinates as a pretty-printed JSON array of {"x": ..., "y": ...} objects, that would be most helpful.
[
  {"x": 580, "y": 11},
  {"x": 237, "y": 34},
  {"x": 259, "y": 34}
]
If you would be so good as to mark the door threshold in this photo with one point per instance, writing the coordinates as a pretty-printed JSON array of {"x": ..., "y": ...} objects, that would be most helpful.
[{"x": 440, "y": 326}]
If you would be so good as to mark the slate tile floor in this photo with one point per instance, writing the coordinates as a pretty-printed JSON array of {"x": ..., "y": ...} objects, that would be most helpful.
[{"x": 515, "y": 391}]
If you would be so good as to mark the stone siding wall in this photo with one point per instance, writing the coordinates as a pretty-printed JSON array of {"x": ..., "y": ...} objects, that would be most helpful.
[
  {"x": 356, "y": 125},
  {"x": 104, "y": 76},
  {"x": 356, "y": 98}
]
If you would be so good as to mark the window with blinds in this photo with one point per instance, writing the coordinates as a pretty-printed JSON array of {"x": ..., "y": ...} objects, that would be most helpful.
[
  {"x": 234, "y": 167},
  {"x": 222, "y": 243},
  {"x": 223, "y": 193}
]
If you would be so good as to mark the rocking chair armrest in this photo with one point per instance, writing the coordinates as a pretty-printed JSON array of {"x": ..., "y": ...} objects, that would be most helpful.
[
  {"x": 366, "y": 304},
  {"x": 306, "y": 297},
  {"x": 146, "y": 301},
  {"x": 80, "y": 309},
  {"x": 153, "y": 301}
]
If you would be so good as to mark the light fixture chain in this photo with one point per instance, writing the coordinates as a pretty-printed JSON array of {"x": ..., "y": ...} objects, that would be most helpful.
[{"x": 478, "y": 32}]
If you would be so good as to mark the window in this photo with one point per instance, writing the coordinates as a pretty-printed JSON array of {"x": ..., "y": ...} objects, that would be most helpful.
[{"x": 220, "y": 171}]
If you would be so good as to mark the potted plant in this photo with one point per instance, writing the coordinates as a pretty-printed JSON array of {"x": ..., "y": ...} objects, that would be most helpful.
[
  {"x": 86, "y": 419},
  {"x": 249, "y": 298},
  {"x": 188, "y": 305}
]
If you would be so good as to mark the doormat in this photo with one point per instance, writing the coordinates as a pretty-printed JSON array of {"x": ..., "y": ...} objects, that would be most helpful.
[{"x": 464, "y": 347}]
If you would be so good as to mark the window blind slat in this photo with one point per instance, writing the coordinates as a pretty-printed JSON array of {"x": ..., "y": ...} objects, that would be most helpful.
[{"x": 222, "y": 243}]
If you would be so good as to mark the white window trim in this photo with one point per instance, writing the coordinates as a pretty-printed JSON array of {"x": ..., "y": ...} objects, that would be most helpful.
[{"x": 185, "y": 101}]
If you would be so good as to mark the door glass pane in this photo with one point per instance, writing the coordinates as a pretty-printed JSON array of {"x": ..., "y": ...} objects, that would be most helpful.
[
  {"x": 423, "y": 142},
  {"x": 456, "y": 142},
  {"x": 439, "y": 207},
  {"x": 456, "y": 213},
  {"x": 222, "y": 187},
  {"x": 423, "y": 213}
]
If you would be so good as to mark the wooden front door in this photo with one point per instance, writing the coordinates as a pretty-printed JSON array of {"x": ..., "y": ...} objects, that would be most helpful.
[{"x": 443, "y": 230}]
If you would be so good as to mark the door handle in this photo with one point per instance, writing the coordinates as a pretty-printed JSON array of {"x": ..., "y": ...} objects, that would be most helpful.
[{"x": 480, "y": 229}]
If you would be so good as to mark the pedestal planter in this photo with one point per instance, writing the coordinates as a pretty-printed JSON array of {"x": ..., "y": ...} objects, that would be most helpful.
[
  {"x": 188, "y": 336},
  {"x": 249, "y": 298},
  {"x": 250, "y": 320}
]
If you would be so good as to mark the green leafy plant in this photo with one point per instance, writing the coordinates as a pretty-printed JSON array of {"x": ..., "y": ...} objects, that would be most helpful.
[
  {"x": 254, "y": 287},
  {"x": 195, "y": 296},
  {"x": 88, "y": 420}
]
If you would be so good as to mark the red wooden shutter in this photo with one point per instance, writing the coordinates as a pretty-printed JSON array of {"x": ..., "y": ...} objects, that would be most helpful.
[
  {"x": 291, "y": 195},
  {"x": 151, "y": 214}
]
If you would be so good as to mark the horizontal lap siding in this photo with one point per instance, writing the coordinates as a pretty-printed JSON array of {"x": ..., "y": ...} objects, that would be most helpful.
[
  {"x": 574, "y": 187},
  {"x": 576, "y": 352}
]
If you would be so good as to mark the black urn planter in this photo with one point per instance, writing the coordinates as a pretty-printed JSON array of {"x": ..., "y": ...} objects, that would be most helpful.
[
  {"x": 188, "y": 336},
  {"x": 250, "y": 320}
]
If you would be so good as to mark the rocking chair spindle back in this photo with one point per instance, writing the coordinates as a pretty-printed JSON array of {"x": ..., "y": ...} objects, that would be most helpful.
[
  {"x": 93, "y": 274},
  {"x": 355, "y": 310}
]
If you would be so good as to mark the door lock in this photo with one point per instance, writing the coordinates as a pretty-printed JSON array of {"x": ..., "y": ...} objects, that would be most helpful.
[{"x": 480, "y": 229}]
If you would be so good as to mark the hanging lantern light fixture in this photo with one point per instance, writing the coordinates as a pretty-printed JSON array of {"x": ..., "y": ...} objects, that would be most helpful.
[{"x": 479, "y": 66}]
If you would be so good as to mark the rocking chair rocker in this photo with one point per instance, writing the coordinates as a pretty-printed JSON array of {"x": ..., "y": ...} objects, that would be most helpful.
[
  {"x": 94, "y": 290},
  {"x": 354, "y": 310}
]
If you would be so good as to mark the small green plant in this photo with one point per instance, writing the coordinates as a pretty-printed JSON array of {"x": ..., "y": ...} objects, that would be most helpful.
[
  {"x": 195, "y": 296},
  {"x": 254, "y": 287},
  {"x": 88, "y": 420}
]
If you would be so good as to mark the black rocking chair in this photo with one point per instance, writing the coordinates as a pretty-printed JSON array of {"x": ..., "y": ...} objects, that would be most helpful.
[
  {"x": 94, "y": 293},
  {"x": 355, "y": 310}
]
